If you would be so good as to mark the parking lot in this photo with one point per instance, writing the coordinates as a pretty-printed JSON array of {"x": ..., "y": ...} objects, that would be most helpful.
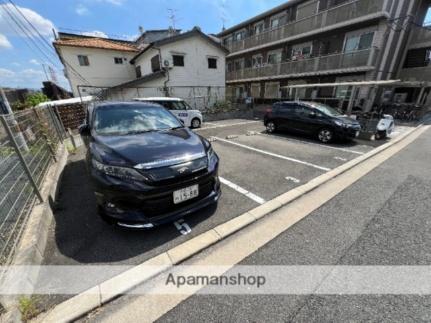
[{"x": 255, "y": 167}]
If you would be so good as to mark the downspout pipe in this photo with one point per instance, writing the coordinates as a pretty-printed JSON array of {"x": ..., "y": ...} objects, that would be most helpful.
[{"x": 162, "y": 68}]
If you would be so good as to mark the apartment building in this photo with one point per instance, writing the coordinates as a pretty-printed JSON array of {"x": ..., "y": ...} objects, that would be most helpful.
[{"x": 326, "y": 41}]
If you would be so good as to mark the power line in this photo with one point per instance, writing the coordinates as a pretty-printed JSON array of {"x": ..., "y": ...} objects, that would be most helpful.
[
  {"x": 47, "y": 43},
  {"x": 30, "y": 35}
]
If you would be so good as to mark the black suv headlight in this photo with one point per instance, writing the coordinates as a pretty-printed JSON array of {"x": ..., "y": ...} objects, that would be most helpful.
[
  {"x": 118, "y": 172},
  {"x": 212, "y": 158}
]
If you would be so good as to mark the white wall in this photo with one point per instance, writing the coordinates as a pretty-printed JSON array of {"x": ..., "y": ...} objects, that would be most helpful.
[
  {"x": 102, "y": 70},
  {"x": 195, "y": 72}
]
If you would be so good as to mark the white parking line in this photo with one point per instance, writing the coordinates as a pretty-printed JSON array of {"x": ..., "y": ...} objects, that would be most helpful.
[
  {"x": 293, "y": 179},
  {"x": 183, "y": 227},
  {"x": 316, "y": 144},
  {"x": 243, "y": 191},
  {"x": 210, "y": 123},
  {"x": 274, "y": 155},
  {"x": 228, "y": 125},
  {"x": 340, "y": 158}
]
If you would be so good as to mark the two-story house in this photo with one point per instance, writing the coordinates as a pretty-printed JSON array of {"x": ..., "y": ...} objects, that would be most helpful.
[
  {"x": 93, "y": 61},
  {"x": 190, "y": 65},
  {"x": 317, "y": 41}
]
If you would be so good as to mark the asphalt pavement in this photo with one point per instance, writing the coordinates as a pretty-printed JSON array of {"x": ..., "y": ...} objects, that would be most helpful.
[
  {"x": 264, "y": 166},
  {"x": 383, "y": 219}
]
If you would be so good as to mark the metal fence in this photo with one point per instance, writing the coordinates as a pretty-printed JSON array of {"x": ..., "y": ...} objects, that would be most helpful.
[
  {"x": 28, "y": 142},
  {"x": 201, "y": 98}
]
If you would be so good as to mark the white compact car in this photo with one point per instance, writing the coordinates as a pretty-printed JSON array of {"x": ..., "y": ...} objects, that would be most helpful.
[{"x": 191, "y": 118}]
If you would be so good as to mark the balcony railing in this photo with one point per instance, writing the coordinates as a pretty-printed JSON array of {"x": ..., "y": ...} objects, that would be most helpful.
[
  {"x": 358, "y": 59},
  {"x": 420, "y": 35},
  {"x": 333, "y": 16},
  {"x": 416, "y": 74}
]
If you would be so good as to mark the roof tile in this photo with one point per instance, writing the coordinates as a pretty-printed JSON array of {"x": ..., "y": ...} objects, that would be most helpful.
[{"x": 96, "y": 43}]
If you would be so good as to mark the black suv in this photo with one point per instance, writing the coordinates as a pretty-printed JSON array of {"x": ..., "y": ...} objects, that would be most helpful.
[
  {"x": 311, "y": 118},
  {"x": 146, "y": 167}
]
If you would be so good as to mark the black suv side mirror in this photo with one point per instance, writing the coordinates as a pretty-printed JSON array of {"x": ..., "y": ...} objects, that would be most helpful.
[{"x": 84, "y": 130}]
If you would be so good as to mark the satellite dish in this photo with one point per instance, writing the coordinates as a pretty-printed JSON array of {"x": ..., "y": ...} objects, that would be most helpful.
[{"x": 166, "y": 63}]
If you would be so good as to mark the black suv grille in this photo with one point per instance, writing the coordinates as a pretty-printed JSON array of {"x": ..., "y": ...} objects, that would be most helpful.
[{"x": 171, "y": 174}]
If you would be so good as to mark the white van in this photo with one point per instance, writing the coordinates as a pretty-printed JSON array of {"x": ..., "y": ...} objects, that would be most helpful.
[{"x": 191, "y": 118}]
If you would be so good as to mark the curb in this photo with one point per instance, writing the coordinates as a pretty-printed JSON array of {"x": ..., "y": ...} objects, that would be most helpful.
[
  {"x": 81, "y": 304},
  {"x": 34, "y": 239}
]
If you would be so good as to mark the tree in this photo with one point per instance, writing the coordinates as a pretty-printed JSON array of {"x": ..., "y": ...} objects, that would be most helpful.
[{"x": 34, "y": 99}]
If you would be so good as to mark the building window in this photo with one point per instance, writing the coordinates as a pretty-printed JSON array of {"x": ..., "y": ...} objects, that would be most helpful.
[
  {"x": 118, "y": 60},
  {"x": 239, "y": 64},
  {"x": 301, "y": 51},
  {"x": 418, "y": 57},
  {"x": 155, "y": 63},
  {"x": 240, "y": 35},
  {"x": 83, "y": 60},
  {"x": 274, "y": 58},
  {"x": 359, "y": 42},
  {"x": 230, "y": 67},
  {"x": 178, "y": 60},
  {"x": 138, "y": 71},
  {"x": 257, "y": 61},
  {"x": 212, "y": 63},
  {"x": 258, "y": 28}
]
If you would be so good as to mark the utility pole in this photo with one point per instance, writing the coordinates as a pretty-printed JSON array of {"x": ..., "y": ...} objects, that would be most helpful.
[{"x": 4, "y": 103}]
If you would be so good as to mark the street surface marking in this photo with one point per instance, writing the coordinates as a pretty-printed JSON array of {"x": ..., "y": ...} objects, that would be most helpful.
[
  {"x": 316, "y": 144},
  {"x": 293, "y": 179},
  {"x": 232, "y": 136},
  {"x": 274, "y": 155},
  {"x": 183, "y": 227},
  {"x": 228, "y": 125},
  {"x": 210, "y": 123},
  {"x": 341, "y": 158},
  {"x": 243, "y": 191}
]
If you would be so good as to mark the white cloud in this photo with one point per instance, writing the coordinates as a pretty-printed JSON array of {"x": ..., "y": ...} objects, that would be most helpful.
[
  {"x": 4, "y": 42},
  {"x": 29, "y": 77},
  {"x": 34, "y": 61},
  {"x": 114, "y": 2},
  {"x": 43, "y": 25},
  {"x": 95, "y": 33},
  {"x": 5, "y": 73},
  {"x": 82, "y": 10}
]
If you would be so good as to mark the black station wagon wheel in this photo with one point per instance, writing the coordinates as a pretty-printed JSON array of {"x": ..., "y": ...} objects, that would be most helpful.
[
  {"x": 270, "y": 127},
  {"x": 325, "y": 135}
]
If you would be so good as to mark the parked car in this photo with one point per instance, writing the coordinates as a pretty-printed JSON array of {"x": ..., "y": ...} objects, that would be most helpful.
[
  {"x": 312, "y": 118},
  {"x": 146, "y": 167},
  {"x": 191, "y": 118}
]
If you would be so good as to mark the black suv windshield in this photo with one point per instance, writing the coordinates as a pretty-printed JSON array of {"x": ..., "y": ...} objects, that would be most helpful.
[
  {"x": 326, "y": 109},
  {"x": 131, "y": 119}
]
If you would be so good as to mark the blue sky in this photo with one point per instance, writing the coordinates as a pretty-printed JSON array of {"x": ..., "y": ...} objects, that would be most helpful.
[{"x": 23, "y": 67}]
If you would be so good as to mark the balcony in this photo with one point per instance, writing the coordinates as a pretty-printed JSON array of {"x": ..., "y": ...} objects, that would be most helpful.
[
  {"x": 416, "y": 74},
  {"x": 345, "y": 13},
  {"x": 420, "y": 37},
  {"x": 363, "y": 60}
]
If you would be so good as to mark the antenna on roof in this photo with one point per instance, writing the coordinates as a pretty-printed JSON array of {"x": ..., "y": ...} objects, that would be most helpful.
[
  {"x": 172, "y": 17},
  {"x": 223, "y": 19}
]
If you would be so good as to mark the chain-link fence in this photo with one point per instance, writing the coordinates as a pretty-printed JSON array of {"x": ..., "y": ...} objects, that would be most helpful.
[{"x": 28, "y": 142}]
